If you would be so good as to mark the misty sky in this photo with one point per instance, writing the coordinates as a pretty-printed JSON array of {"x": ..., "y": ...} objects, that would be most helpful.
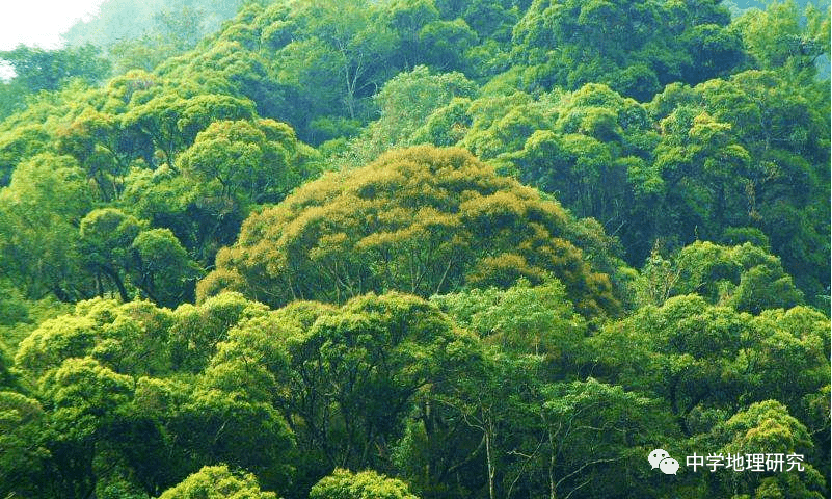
[{"x": 41, "y": 22}]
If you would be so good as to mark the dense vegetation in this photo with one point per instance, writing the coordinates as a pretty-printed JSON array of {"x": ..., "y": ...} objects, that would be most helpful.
[{"x": 416, "y": 249}]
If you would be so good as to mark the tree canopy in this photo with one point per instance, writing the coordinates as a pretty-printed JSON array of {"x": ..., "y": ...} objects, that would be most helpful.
[{"x": 422, "y": 221}]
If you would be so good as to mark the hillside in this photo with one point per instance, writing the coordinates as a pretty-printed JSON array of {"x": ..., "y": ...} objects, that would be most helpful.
[{"x": 418, "y": 249}]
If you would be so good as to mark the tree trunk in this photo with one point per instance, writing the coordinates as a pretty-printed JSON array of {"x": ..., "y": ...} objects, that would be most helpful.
[{"x": 122, "y": 291}]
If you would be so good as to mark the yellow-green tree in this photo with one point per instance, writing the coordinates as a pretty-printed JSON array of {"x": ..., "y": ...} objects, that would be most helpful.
[
  {"x": 421, "y": 220},
  {"x": 342, "y": 484},
  {"x": 218, "y": 482}
]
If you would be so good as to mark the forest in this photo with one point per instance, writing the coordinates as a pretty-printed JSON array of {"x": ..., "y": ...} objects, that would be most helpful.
[{"x": 418, "y": 249}]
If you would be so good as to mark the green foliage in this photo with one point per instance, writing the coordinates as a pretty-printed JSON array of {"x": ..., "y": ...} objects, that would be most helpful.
[
  {"x": 114, "y": 428},
  {"x": 774, "y": 185},
  {"x": 342, "y": 484},
  {"x": 353, "y": 372},
  {"x": 257, "y": 162},
  {"x": 404, "y": 103},
  {"x": 96, "y": 140},
  {"x": 197, "y": 214},
  {"x": 172, "y": 121},
  {"x": 697, "y": 163},
  {"x": 422, "y": 221},
  {"x": 37, "y": 69},
  {"x": 636, "y": 47},
  {"x": 218, "y": 482},
  {"x": 85, "y": 397},
  {"x": 18, "y": 144},
  {"x": 19, "y": 316},
  {"x": 128, "y": 338},
  {"x": 702, "y": 358},
  {"x": 441, "y": 323},
  {"x": 586, "y": 423},
  {"x": 447, "y": 43},
  {"x": 56, "y": 340},
  {"x": 118, "y": 247},
  {"x": 22, "y": 459},
  {"x": 197, "y": 330},
  {"x": 767, "y": 427},
  {"x": 161, "y": 268},
  {"x": 778, "y": 37},
  {"x": 536, "y": 436},
  {"x": 745, "y": 277},
  {"x": 214, "y": 425},
  {"x": 40, "y": 211},
  {"x": 535, "y": 320}
]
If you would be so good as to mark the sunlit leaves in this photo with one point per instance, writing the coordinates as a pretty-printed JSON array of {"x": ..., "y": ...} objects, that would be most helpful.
[
  {"x": 699, "y": 357},
  {"x": 217, "y": 482},
  {"x": 343, "y": 378},
  {"x": 172, "y": 122},
  {"x": 342, "y": 484},
  {"x": 258, "y": 162},
  {"x": 537, "y": 320},
  {"x": 768, "y": 427},
  {"x": 21, "y": 455},
  {"x": 39, "y": 214},
  {"x": 745, "y": 277},
  {"x": 423, "y": 221},
  {"x": 777, "y": 38}
]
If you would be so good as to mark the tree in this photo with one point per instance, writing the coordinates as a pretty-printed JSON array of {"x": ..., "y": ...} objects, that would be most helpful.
[
  {"x": 196, "y": 213},
  {"x": 260, "y": 162},
  {"x": 99, "y": 144},
  {"x": 217, "y": 482},
  {"x": 122, "y": 249},
  {"x": 172, "y": 121},
  {"x": 698, "y": 357},
  {"x": 777, "y": 38},
  {"x": 706, "y": 360},
  {"x": 37, "y": 69},
  {"x": 636, "y": 47},
  {"x": 350, "y": 50},
  {"x": 522, "y": 319},
  {"x": 197, "y": 331},
  {"x": 703, "y": 171},
  {"x": 344, "y": 379},
  {"x": 400, "y": 118},
  {"x": 423, "y": 221},
  {"x": 745, "y": 277},
  {"x": 771, "y": 137},
  {"x": 106, "y": 235},
  {"x": 590, "y": 427},
  {"x": 342, "y": 484},
  {"x": 162, "y": 269},
  {"x": 130, "y": 338},
  {"x": 22, "y": 457},
  {"x": 40, "y": 212},
  {"x": 18, "y": 144},
  {"x": 791, "y": 344},
  {"x": 210, "y": 425},
  {"x": 484, "y": 401},
  {"x": 86, "y": 403},
  {"x": 508, "y": 432},
  {"x": 448, "y": 44},
  {"x": 767, "y": 427},
  {"x": 111, "y": 425},
  {"x": 407, "y": 18}
]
